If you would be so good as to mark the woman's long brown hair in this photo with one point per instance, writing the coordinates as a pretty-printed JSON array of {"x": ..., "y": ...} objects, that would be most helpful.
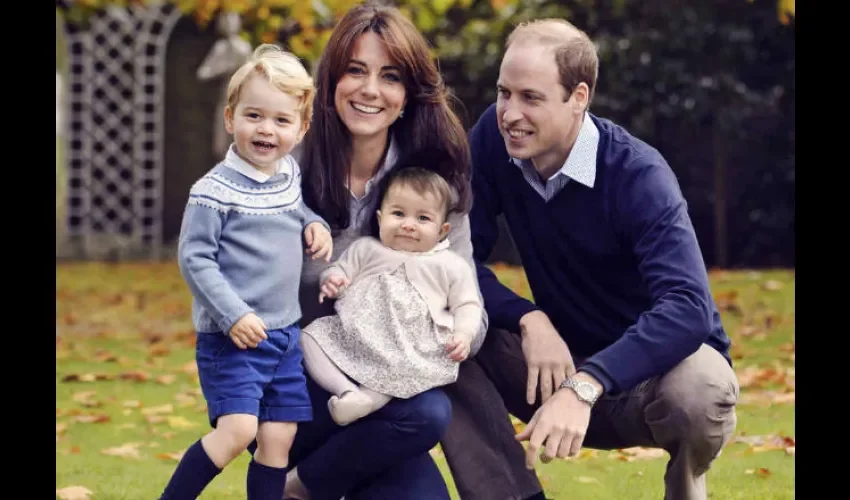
[{"x": 429, "y": 126}]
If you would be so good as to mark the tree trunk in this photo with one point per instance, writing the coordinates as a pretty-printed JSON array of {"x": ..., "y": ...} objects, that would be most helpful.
[{"x": 720, "y": 215}]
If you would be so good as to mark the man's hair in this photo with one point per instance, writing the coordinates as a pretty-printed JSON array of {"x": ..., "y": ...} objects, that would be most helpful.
[
  {"x": 422, "y": 181},
  {"x": 280, "y": 68},
  {"x": 575, "y": 53}
]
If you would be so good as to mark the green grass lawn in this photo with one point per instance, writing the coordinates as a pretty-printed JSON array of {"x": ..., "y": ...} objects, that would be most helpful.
[{"x": 128, "y": 401}]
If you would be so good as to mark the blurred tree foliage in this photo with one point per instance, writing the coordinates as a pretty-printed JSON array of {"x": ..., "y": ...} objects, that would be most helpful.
[{"x": 710, "y": 84}]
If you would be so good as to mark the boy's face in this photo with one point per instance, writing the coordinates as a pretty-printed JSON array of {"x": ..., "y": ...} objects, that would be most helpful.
[
  {"x": 266, "y": 124},
  {"x": 411, "y": 221}
]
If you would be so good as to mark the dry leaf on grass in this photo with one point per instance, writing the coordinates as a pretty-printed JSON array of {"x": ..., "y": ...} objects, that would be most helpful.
[
  {"x": 129, "y": 450},
  {"x": 92, "y": 419},
  {"x": 87, "y": 399},
  {"x": 759, "y": 444},
  {"x": 135, "y": 376},
  {"x": 159, "y": 349},
  {"x": 176, "y": 456},
  {"x": 185, "y": 399},
  {"x": 638, "y": 453},
  {"x": 767, "y": 398},
  {"x": 584, "y": 453},
  {"x": 760, "y": 472},
  {"x": 177, "y": 422},
  {"x": 772, "y": 285},
  {"x": 73, "y": 493},
  {"x": 105, "y": 356},
  {"x": 86, "y": 377},
  {"x": 158, "y": 410},
  {"x": 587, "y": 480}
]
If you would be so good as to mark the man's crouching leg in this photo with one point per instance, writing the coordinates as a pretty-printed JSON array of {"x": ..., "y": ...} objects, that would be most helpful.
[{"x": 692, "y": 416}]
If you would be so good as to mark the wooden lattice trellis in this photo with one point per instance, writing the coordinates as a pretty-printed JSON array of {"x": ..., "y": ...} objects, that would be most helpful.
[{"x": 113, "y": 132}]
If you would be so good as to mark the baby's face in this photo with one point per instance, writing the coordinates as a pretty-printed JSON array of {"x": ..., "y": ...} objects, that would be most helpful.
[{"x": 411, "y": 221}]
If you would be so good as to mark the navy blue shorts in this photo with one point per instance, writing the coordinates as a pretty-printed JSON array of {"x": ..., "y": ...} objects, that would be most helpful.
[{"x": 267, "y": 381}]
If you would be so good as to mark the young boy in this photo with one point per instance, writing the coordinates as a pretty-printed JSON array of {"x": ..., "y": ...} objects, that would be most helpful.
[{"x": 240, "y": 253}]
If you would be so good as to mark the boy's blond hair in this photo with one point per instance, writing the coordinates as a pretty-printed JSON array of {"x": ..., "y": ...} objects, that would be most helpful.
[{"x": 280, "y": 68}]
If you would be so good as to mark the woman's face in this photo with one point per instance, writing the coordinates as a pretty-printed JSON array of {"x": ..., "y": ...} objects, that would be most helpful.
[{"x": 370, "y": 95}]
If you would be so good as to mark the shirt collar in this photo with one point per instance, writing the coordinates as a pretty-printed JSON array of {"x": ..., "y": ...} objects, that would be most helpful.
[
  {"x": 581, "y": 162},
  {"x": 232, "y": 160},
  {"x": 389, "y": 161}
]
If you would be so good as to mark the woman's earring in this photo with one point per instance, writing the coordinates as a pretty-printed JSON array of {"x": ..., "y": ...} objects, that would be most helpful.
[{"x": 401, "y": 113}]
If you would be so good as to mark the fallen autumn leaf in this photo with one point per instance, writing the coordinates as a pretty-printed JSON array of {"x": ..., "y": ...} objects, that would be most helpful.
[
  {"x": 92, "y": 419},
  {"x": 178, "y": 422},
  {"x": 176, "y": 456},
  {"x": 587, "y": 480},
  {"x": 129, "y": 450},
  {"x": 158, "y": 410},
  {"x": 73, "y": 493},
  {"x": 639, "y": 453}
]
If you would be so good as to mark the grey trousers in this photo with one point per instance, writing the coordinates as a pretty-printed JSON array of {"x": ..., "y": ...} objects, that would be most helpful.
[{"x": 689, "y": 412}]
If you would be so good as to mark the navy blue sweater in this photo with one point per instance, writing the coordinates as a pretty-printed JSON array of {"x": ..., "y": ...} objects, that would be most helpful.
[{"x": 616, "y": 267}]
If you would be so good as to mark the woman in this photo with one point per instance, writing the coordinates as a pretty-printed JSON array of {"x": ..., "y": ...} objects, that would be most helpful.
[{"x": 379, "y": 102}]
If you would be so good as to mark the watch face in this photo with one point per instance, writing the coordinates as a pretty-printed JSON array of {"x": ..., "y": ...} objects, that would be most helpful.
[{"x": 586, "y": 391}]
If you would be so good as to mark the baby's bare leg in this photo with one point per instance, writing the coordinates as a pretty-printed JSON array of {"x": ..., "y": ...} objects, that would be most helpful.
[{"x": 322, "y": 370}]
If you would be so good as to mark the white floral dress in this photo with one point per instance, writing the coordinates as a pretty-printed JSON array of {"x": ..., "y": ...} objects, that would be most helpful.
[{"x": 384, "y": 337}]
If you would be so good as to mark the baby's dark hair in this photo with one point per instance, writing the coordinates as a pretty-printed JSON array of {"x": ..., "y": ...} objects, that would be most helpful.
[{"x": 422, "y": 181}]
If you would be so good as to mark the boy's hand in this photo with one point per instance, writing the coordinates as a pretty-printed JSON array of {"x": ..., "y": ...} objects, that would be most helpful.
[
  {"x": 319, "y": 241},
  {"x": 458, "y": 346},
  {"x": 332, "y": 286},
  {"x": 249, "y": 331}
]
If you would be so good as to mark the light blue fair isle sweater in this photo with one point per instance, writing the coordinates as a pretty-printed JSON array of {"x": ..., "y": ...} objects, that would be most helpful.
[{"x": 241, "y": 244}]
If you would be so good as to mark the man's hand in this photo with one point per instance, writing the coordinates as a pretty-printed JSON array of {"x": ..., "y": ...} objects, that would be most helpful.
[
  {"x": 458, "y": 346},
  {"x": 249, "y": 331},
  {"x": 560, "y": 425},
  {"x": 319, "y": 241},
  {"x": 548, "y": 358},
  {"x": 332, "y": 286}
]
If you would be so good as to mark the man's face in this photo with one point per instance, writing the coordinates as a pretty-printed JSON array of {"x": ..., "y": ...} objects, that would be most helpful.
[{"x": 535, "y": 120}]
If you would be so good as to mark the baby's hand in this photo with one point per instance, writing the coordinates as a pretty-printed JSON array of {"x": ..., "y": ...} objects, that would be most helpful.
[
  {"x": 319, "y": 241},
  {"x": 458, "y": 346},
  {"x": 332, "y": 286},
  {"x": 249, "y": 331}
]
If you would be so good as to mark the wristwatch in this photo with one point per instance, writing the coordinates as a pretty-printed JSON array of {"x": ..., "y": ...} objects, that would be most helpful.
[{"x": 584, "y": 390}]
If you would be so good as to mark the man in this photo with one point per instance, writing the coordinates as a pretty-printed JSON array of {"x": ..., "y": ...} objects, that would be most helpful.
[{"x": 623, "y": 345}]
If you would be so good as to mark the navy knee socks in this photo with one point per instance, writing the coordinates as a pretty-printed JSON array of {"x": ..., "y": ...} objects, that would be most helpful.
[
  {"x": 264, "y": 482},
  {"x": 195, "y": 471},
  {"x": 193, "y": 474}
]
